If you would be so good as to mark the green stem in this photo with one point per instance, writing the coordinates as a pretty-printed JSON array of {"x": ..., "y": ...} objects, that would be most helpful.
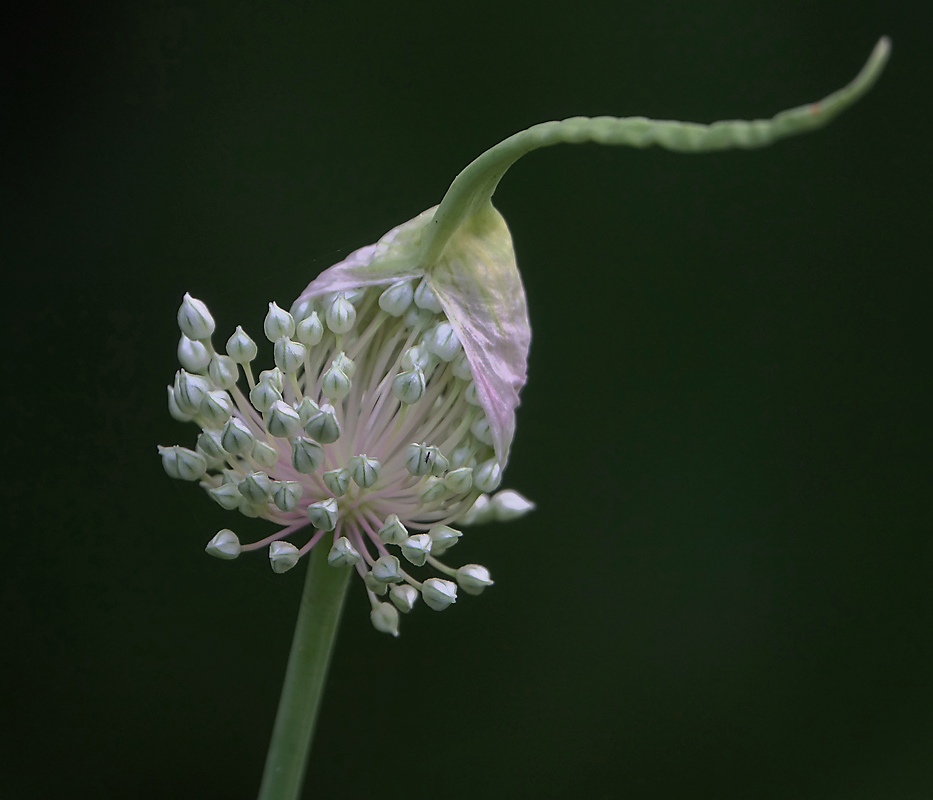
[{"x": 312, "y": 645}]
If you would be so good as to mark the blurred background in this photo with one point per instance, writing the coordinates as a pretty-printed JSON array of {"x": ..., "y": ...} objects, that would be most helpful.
[{"x": 725, "y": 590}]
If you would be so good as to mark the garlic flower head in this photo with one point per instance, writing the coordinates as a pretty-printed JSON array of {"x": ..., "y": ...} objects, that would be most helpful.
[{"x": 389, "y": 413}]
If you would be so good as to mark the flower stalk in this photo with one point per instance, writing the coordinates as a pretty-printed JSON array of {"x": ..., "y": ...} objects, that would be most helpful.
[{"x": 312, "y": 645}]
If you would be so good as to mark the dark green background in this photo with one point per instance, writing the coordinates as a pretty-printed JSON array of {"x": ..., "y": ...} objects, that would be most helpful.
[{"x": 726, "y": 588}]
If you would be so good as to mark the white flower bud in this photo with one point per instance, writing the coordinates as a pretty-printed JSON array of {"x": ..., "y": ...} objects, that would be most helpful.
[
  {"x": 364, "y": 470},
  {"x": 286, "y": 494},
  {"x": 487, "y": 476},
  {"x": 480, "y": 513},
  {"x": 273, "y": 376},
  {"x": 278, "y": 323},
  {"x": 210, "y": 446},
  {"x": 417, "y": 548},
  {"x": 335, "y": 384},
  {"x": 471, "y": 395},
  {"x": 323, "y": 426},
  {"x": 426, "y": 299},
  {"x": 345, "y": 364},
  {"x": 264, "y": 395},
  {"x": 281, "y": 420},
  {"x": 283, "y": 556},
  {"x": 174, "y": 411},
  {"x": 240, "y": 347},
  {"x": 216, "y": 408},
  {"x": 323, "y": 514},
  {"x": 432, "y": 490},
  {"x": 289, "y": 356},
  {"x": 419, "y": 356},
  {"x": 444, "y": 342},
  {"x": 189, "y": 391},
  {"x": 340, "y": 314},
  {"x": 438, "y": 593},
  {"x": 181, "y": 463},
  {"x": 376, "y": 587},
  {"x": 223, "y": 371},
  {"x": 301, "y": 309},
  {"x": 461, "y": 367},
  {"x": 225, "y": 545},
  {"x": 462, "y": 457},
  {"x": 416, "y": 318},
  {"x": 194, "y": 319},
  {"x": 192, "y": 355},
  {"x": 343, "y": 553},
  {"x": 385, "y": 619},
  {"x": 256, "y": 487},
  {"x": 459, "y": 481},
  {"x": 306, "y": 409},
  {"x": 480, "y": 429},
  {"x": 248, "y": 509},
  {"x": 509, "y": 504},
  {"x": 338, "y": 481},
  {"x": 397, "y": 298},
  {"x": 307, "y": 455},
  {"x": 226, "y": 496},
  {"x": 420, "y": 459},
  {"x": 265, "y": 454},
  {"x": 473, "y": 578},
  {"x": 442, "y": 539},
  {"x": 310, "y": 330},
  {"x": 388, "y": 570},
  {"x": 409, "y": 386},
  {"x": 393, "y": 532},
  {"x": 236, "y": 438},
  {"x": 403, "y": 596}
]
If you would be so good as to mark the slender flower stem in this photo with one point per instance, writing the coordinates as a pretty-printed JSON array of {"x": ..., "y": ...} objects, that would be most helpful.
[{"x": 312, "y": 645}]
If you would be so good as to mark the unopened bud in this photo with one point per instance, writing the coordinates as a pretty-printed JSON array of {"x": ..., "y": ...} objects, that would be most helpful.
[
  {"x": 286, "y": 494},
  {"x": 216, "y": 408},
  {"x": 278, "y": 323},
  {"x": 509, "y": 504},
  {"x": 226, "y": 496},
  {"x": 194, "y": 319},
  {"x": 403, "y": 596},
  {"x": 442, "y": 539},
  {"x": 193, "y": 355},
  {"x": 181, "y": 463},
  {"x": 307, "y": 455},
  {"x": 240, "y": 347},
  {"x": 283, "y": 556},
  {"x": 426, "y": 299},
  {"x": 264, "y": 395},
  {"x": 388, "y": 570},
  {"x": 289, "y": 356},
  {"x": 174, "y": 411},
  {"x": 393, "y": 532},
  {"x": 473, "y": 578},
  {"x": 461, "y": 367},
  {"x": 459, "y": 481},
  {"x": 281, "y": 420},
  {"x": 310, "y": 330},
  {"x": 364, "y": 470},
  {"x": 189, "y": 391},
  {"x": 335, "y": 383},
  {"x": 323, "y": 514},
  {"x": 223, "y": 371},
  {"x": 340, "y": 314},
  {"x": 265, "y": 454},
  {"x": 438, "y": 593},
  {"x": 343, "y": 553},
  {"x": 256, "y": 487},
  {"x": 444, "y": 342},
  {"x": 397, "y": 298},
  {"x": 225, "y": 545},
  {"x": 417, "y": 548},
  {"x": 236, "y": 438},
  {"x": 409, "y": 386},
  {"x": 338, "y": 481},
  {"x": 487, "y": 476},
  {"x": 384, "y": 619},
  {"x": 323, "y": 426}
]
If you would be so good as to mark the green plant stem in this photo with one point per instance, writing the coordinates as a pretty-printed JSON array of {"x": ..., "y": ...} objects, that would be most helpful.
[{"x": 312, "y": 645}]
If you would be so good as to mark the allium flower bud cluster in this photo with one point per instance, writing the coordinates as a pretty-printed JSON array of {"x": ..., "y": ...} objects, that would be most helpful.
[{"x": 351, "y": 436}]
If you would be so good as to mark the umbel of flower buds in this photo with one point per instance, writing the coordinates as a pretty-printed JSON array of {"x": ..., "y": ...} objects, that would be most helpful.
[{"x": 389, "y": 413}]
